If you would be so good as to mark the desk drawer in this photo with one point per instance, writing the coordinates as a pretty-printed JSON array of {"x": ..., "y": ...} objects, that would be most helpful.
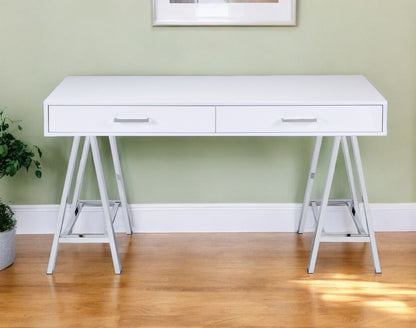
[
  {"x": 300, "y": 119},
  {"x": 131, "y": 119}
]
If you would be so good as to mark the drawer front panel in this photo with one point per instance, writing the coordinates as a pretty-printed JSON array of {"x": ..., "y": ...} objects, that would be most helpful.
[
  {"x": 300, "y": 119},
  {"x": 131, "y": 119}
]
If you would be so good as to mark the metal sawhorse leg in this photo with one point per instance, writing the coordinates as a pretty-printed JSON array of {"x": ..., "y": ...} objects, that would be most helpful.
[
  {"x": 319, "y": 207},
  {"x": 65, "y": 234}
]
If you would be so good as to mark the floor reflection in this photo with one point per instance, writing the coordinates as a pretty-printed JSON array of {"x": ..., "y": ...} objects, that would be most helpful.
[{"x": 387, "y": 297}]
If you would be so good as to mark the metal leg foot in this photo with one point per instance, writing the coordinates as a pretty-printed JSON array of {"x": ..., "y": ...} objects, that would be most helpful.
[
  {"x": 106, "y": 204},
  {"x": 369, "y": 219},
  {"x": 324, "y": 205},
  {"x": 62, "y": 207},
  {"x": 64, "y": 234}
]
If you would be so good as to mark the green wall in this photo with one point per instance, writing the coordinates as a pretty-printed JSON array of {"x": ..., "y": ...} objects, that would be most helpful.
[{"x": 43, "y": 41}]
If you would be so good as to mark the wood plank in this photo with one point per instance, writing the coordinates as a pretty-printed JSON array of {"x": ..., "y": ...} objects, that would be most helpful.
[{"x": 211, "y": 280}]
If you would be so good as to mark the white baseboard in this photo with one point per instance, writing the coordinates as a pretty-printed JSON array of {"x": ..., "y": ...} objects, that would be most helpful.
[{"x": 40, "y": 219}]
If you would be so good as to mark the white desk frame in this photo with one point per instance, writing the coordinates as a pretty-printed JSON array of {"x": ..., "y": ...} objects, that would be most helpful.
[{"x": 342, "y": 107}]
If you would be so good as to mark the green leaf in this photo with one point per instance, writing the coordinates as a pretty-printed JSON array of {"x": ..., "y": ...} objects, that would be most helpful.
[
  {"x": 7, "y": 220},
  {"x": 39, "y": 151},
  {"x": 14, "y": 153},
  {"x": 3, "y": 150},
  {"x": 27, "y": 162},
  {"x": 10, "y": 170}
]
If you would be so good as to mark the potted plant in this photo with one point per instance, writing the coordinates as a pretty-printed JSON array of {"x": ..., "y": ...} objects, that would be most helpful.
[{"x": 14, "y": 155}]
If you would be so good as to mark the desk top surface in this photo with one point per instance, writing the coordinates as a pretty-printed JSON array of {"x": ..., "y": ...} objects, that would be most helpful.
[{"x": 216, "y": 90}]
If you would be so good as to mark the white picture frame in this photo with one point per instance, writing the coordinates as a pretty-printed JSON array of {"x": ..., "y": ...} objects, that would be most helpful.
[{"x": 224, "y": 12}]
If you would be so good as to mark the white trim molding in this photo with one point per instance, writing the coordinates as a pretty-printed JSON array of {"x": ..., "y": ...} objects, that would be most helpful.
[{"x": 224, "y": 217}]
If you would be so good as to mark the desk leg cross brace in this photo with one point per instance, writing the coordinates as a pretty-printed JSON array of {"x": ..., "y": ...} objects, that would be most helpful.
[
  {"x": 65, "y": 234},
  {"x": 362, "y": 235}
]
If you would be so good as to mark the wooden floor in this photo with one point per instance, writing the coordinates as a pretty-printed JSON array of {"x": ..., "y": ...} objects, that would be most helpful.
[{"x": 211, "y": 280}]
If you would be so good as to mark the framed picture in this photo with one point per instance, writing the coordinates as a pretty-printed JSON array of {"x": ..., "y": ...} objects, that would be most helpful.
[{"x": 224, "y": 12}]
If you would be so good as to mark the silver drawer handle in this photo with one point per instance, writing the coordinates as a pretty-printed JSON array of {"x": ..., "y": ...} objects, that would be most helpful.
[
  {"x": 132, "y": 120},
  {"x": 300, "y": 120}
]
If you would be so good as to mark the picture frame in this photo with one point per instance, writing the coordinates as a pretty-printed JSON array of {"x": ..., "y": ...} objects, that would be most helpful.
[{"x": 224, "y": 12}]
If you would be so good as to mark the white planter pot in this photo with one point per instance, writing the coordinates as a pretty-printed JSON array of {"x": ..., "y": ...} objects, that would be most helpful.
[{"x": 7, "y": 248}]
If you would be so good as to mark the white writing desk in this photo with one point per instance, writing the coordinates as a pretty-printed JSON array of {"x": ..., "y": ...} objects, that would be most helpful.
[{"x": 343, "y": 107}]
